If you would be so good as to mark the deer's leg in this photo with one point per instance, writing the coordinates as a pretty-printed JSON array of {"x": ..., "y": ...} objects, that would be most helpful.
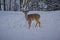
[
  {"x": 39, "y": 24},
  {"x": 29, "y": 22},
  {"x": 36, "y": 24}
]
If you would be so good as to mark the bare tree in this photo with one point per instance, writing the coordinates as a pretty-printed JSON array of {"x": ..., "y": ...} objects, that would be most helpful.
[
  {"x": 21, "y": 4},
  {"x": 10, "y": 5},
  {"x": 15, "y": 6},
  {"x": 4, "y": 5},
  {"x": 27, "y": 3},
  {"x": 0, "y": 4}
]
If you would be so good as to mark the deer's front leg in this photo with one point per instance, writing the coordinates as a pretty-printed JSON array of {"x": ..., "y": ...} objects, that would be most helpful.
[{"x": 29, "y": 22}]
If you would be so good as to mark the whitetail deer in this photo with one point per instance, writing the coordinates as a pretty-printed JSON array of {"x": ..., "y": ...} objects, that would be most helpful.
[{"x": 32, "y": 17}]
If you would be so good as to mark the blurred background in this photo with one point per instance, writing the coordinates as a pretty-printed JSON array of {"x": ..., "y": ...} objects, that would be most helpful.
[
  {"x": 31, "y": 5},
  {"x": 13, "y": 25}
]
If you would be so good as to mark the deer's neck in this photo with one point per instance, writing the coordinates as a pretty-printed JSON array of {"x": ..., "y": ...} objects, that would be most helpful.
[{"x": 26, "y": 16}]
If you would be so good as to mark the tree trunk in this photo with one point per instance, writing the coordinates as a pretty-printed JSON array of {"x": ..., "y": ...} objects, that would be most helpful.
[
  {"x": 10, "y": 6},
  {"x": 0, "y": 4},
  {"x": 21, "y": 3},
  {"x": 4, "y": 5}
]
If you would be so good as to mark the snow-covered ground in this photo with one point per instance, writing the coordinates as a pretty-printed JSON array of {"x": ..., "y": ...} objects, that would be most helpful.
[{"x": 13, "y": 26}]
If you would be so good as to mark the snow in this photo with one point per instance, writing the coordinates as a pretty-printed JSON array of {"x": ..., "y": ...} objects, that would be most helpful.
[{"x": 13, "y": 26}]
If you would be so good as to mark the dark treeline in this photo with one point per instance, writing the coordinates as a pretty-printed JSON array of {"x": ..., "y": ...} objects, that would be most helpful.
[{"x": 31, "y": 5}]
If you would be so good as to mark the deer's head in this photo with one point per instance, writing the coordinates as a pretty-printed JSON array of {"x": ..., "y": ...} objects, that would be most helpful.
[{"x": 25, "y": 11}]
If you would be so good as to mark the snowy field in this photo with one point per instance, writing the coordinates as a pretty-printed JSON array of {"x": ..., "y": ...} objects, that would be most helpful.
[{"x": 13, "y": 26}]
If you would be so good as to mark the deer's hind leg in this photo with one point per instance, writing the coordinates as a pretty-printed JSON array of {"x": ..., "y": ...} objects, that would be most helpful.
[{"x": 37, "y": 23}]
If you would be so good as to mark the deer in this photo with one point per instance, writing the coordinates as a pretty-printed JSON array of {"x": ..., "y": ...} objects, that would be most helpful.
[{"x": 29, "y": 18}]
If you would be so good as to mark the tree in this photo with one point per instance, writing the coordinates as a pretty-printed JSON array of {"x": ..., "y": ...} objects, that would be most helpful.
[
  {"x": 21, "y": 4},
  {"x": 0, "y": 4},
  {"x": 24, "y": 4},
  {"x": 53, "y": 5},
  {"x": 10, "y": 5},
  {"x": 4, "y": 5},
  {"x": 15, "y": 6},
  {"x": 27, "y": 3}
]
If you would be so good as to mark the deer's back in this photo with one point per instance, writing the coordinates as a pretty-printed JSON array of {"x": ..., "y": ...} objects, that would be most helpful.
[{"x": 33, "y": 16}]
